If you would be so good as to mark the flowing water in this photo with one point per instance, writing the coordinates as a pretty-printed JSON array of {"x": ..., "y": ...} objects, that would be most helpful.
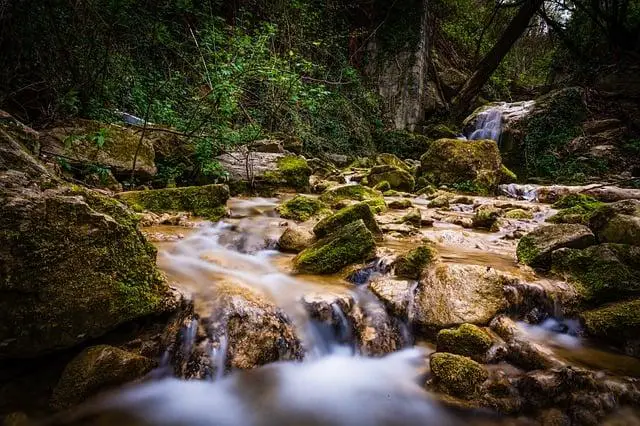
[
  {"x": 337, "y": 383},
  {"x": 488, "y": 125}
]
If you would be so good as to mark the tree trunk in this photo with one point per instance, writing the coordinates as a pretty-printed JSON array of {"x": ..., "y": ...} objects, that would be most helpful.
[{"x": 490, "y": 62}]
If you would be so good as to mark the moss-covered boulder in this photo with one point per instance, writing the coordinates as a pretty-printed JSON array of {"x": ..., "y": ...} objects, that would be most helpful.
[
  {"x": 411, "y": 264},
  {"x": 402, "y": 204},
  {"x": 302, "y": 208},
  {"x": 73, "y": 264},
  {"x": 352, "y": 243},
  {"x": 208, "y": 201},
  {"x": 354, "y": 192},
  {"x": 441, "y": 200},
  {"x": 617, "y": 222},
  {"x": 602, "y": 273},
  {"x": 295, "y": 239},
  {"x": 472, "y": 163},
  {"x": 519, "y": 214},
  {"x": 96, "y": 369},
  {"x": 486, "y": 216},
  {"x": 398, "y": 178},
  {"x": 468, "y": 340},
  {"x": 335, "y": 222},
  {"x": 382, "y": 186},
  {"x": 83, "y": 142},
  {"x": 507, "y": 176},
  {"x": 575, "y": 208},
  {"x": 618, "y": 322},
  {"x": 457, "y": 375},
  {"x": 386, "y": 159},
  {"x": 535, "y": 248},
  {"x": 293, "y": 172},
  {"x": 413, "y": 217}
]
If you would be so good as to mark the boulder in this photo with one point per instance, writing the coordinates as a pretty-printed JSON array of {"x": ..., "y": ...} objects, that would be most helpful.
[
  {"x": 413, "y": 217},
  {"x": 295, "y": 239},
  {"x": 618, "y": 323},
  {"x": 535, "y": 248},
  {"x": 400, "y": 204},
  {"x": 354, "y": 192},
  {"x": 575, "y": 208},
  {"x": 601, "y": 273},
  {"x": 453, "y": 294},
  {"x": 302, "y": 208},
  {"x": 386, "y": 159},
  {"x": 617, "y": 223},
  {"x": 457, "y": 375},
  {"x": 382, "y": 186},
  {"x": 353, "y": 243},
  {"x": 486, "y": 216},
  {"x": 263, "y": 169},
  {"x": 110, "y": 146},
  {"x": 398, "y": 178},
  {"x": 396, "y": 294},
  {"x": 474, "y": 163},
  {"x": 518, "y": 214},
  {"x": 208, "y": 201},
  {"x": 411, "y": 264},
  {"x": 335, "y": 222},
  {"x": 72, "y": 263},
  {"x": 96, "y": 369},
  {"x": 468, "y": 340}
]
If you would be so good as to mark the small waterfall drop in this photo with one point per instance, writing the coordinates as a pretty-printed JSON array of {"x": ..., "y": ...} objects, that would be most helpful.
[{"x": 488, "y": 125}]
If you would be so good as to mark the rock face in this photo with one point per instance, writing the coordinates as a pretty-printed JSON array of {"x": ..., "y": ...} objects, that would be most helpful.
[
  {"x": 454, "y": 294},
  {"x": 602, "y": 273},
  {"x": 335, "y": 222},
  {"x": 397, "y": 178},
  {"x": 457, "y": 375},
  {"x": 535, "y": 248},
  {"x": 72, "y": 263},
  {"x": 295, "y": 239},
  {"x": 107, "y": 145},
  {"x": 618, "y": 222},
  {"x": 96, "y": 369},
  {"x": 354, "y": 192},
  {"x": 454, "y": 161},
  {"x": 207, "y": 201},
  {"x": 353, "y": 243}
]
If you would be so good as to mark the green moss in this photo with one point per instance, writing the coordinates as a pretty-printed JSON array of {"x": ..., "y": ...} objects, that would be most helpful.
[
  {"x": 391, "y": 160},
  {"x": 574, "y": 200},
  {"x": 457, "y": 375},
  {"x": 618, "y": 222},
  {"x": 413, "y": 217},
  {"x": 206, "y": 201},
  {"x": 295, "y": 171},
  {"x": 411, "y": 264},
  {"x": 617, "y": 322},
  {"x": 441, "y": 201},
  {"x": 397, "y": 178},
  {"x": 507, "y": 176},
  {"x": 382, "y": 186},
  {"x": 400, "y": 204},
  {"x": 354, "y": 243},
  {"x": 355, "y": 192},
  {"x": 333, "y": 223},
  {"x": 486, "y": 216},
  {"x": 401, "y": 143},
  {"x": 575, "y": 208},
  {"x": 527, "y": 251},
  {"x": 519, "y": 214},
  {"x": 468, "y": 340},
  {"x": 535, "y": 248},
  {"x": 302, "y": 208},
  {"x": 602, "y": 273}
]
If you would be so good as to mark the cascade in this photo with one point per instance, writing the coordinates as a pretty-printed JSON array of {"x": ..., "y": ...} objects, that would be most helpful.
[{"x": 488, "y": 125}]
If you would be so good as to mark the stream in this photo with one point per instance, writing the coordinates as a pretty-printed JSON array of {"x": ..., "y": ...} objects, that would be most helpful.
[{"x": 341, "y": 380}]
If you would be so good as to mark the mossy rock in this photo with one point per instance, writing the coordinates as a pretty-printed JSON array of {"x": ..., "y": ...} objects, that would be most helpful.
[
  {"x": 618, "y": 323},
  {"x": 208, "y": 201},
  {"x": 333, "y": 223},
  {"x": 535, "y": 248},
  {"x": 426, "y": 190},
  {"x": 457, "y": 375},
  {"x": 575, "y": 208},
  {"x": 411, "y": 264},
  {"x": 602, "y": 273},
  {"x": 519, "y": 214},
  {"x": 386, "y": 159},
  {"x": 468, "y": 340},
  {"x": 352, "y": 243},
  {"x": 357, "y": 193},
  {"x": 397, "y": 177},
  {"x": 295, "y": 239},
  {"x": 507, "y": 176},
  {"x": 454, "y": 161},
  {"x": 292, "y": 171},
  {"x": 617, "y": 222},
  {"x": 302, "y": 208},
  {"x": 400, "y": 204},
  {"x": 413, "y": 217},
  {"x": 442, "y": 200},
  {"x": 486, "y": 216},
  {"x": 96, "y": 369},
  {"x": 382, "y": 186}
]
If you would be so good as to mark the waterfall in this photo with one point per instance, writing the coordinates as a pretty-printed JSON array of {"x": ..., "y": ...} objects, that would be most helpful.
[{"x": 488, "y": 125}]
